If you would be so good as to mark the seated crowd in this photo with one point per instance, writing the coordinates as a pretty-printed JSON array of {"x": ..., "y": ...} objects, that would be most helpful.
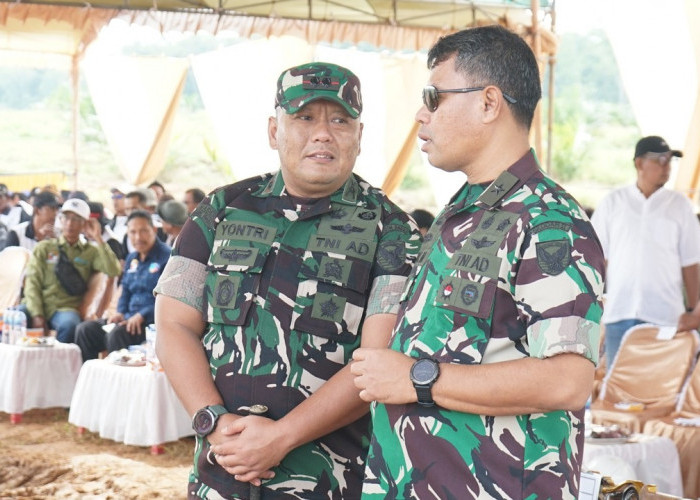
[{"x": 78, "y": 246}]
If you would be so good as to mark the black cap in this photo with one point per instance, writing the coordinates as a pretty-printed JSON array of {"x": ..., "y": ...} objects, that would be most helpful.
[
  {"x": 46, "y": 199},
  {"x": 654, "y": 144}
]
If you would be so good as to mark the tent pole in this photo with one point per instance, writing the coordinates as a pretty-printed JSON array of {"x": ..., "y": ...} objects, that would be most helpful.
[
  {"x": 550, "y": 96},
  {"x": 537, "y": 49},
  {"x": 76, "y": 114}
]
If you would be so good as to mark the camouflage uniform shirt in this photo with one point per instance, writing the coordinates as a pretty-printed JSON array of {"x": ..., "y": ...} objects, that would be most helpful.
[
  {"x": 508, "y": 270},
  {"x": 287, "y": 286}
]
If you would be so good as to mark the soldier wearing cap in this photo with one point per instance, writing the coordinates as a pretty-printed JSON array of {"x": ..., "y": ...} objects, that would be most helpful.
[
  {"x": 481, "y": 392},
  {"x": 273, "y": 283},
  {"x": 47, "y": 303},
  {"x": 651, "y": 239}
]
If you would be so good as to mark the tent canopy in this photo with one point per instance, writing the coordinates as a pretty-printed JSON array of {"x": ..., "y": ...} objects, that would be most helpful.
[{"x": 405, "y": 27}]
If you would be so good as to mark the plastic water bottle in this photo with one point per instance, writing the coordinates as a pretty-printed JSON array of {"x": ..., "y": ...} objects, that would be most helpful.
[
  {"x": 6, "y": 325},
  {"x": 14, "y": 325},
  {"x": 22, "y": 322}
]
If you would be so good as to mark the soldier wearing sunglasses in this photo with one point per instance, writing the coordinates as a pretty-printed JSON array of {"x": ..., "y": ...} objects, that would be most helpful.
[
  {"x": 481, "y": 392},
  {"x": 651, "y": 238}
]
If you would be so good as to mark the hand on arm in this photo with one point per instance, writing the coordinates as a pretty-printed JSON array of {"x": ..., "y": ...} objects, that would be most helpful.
[
  {"x": 259, "y": 443},
  {"x": 528, "y": 385}
]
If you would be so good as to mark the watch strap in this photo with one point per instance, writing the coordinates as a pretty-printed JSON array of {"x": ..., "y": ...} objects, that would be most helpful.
[
  {"x": 215, "y": 411},
  {"x": 425, "y": 395}
]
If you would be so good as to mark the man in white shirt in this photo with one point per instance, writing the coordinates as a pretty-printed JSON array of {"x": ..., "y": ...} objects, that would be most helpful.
[{"x": 651, "y": 239}]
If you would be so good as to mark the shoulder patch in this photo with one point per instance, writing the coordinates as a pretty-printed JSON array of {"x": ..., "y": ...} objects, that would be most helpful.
[
  {"x": 553, "y": 256},
  {"x": 206, "y": 213},
  {"x": 391, "y": 255}
]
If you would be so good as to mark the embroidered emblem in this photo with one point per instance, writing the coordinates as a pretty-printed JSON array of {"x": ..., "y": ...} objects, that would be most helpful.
[
  {"x": 329, "y": 309},
  {"x": 488, "y": 222},
  {"x": 447, "y": 291},
  {"x": 497, "y": 189},
  {"x": 482, "y": 243},
  {"x": 553, "y": 256},
  {"x": 224, "y": 293},
  {"x": 235, "y": 255},
  {"x": 348, "y": 228},
  {"x": 333, "y": 270},
  {"x": 469, "y": 294},
  {"x": 503, "y": 225},
  {"x": 339, "y": 214},
  {"x": 367, "y": 215},
  {"x": 391, "y": 255}
]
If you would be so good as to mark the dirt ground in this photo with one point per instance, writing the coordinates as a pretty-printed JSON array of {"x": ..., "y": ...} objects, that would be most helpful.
[{"x": 44, "y": 457}]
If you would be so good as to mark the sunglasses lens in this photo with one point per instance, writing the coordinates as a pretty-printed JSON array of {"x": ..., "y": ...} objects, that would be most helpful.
[{"x": 430, "y": 98}]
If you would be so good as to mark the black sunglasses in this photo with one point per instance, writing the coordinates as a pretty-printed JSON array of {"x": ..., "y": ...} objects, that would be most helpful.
[{"x": 431, "y": 99}]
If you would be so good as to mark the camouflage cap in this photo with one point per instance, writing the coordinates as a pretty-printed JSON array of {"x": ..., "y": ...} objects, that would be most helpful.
[{"x": 300, "y": 85}]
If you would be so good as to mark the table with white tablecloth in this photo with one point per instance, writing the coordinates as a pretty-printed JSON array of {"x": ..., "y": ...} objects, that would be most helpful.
[
  {"x": 37, "y": 377},
  {"x": 651, "y": 459},
  {"x": 135, "y": 405}
]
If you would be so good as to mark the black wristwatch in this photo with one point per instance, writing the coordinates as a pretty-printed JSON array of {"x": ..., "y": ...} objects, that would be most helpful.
[
  {"x": 204, "y": 421},
  {"x": 424, "y": 373}
]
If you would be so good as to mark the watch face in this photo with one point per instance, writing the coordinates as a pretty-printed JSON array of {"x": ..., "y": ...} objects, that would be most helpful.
[
  {"x": 424, "y": 371},
  {"x": 203, "y": 422}
]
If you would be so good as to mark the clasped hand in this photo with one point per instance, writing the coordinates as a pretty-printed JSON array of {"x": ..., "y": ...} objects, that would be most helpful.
[{"x": 248, "y": 447}]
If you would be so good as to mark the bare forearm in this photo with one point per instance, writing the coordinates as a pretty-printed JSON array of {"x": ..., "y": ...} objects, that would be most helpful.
[
  {"x": 189, "y": 374},
  {"x": 528, "y": 385},
  {"x": 335, "y": 405},
  {"x": 691, "y": 280}
]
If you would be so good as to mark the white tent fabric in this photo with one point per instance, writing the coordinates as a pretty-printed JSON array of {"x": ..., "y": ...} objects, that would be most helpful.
[
  {"x": 238, "y": 93},
  {"x": 657, "y": 63},
  {"x": 136, "y": 99}
]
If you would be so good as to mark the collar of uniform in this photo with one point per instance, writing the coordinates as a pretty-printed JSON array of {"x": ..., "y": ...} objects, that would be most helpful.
[
  {"x": 509, "y": 181},
  {"x": 349, "y": 193},
  {"x": 78, "y": 244}
]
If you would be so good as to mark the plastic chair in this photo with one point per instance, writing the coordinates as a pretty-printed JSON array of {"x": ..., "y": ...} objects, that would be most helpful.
[
  {"x": 687, "y": 438},
  {"x": 647, "y": 372},
  {"x": 13, "y": 263}
]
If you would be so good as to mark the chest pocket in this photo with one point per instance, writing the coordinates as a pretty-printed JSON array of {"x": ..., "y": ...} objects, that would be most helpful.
[
  {"x": 238, "y": 256},
  {"x": 470, "y": 287},
  {"x": 334, "y": 278}
]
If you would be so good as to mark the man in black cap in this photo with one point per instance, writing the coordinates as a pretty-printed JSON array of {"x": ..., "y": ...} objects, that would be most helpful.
[
  {"x": 651, "y": 239},
  {"x": 41, "y": 227}
]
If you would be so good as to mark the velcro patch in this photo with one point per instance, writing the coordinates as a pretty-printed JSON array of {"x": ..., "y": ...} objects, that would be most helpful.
[
  {"x": 391, "y": 254},
  {"x": 328, "y": 307},
  {"x": 553, "y": 256}
]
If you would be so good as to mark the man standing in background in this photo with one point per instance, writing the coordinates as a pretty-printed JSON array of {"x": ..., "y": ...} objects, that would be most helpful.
[{"x": 651, "y": 239}]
